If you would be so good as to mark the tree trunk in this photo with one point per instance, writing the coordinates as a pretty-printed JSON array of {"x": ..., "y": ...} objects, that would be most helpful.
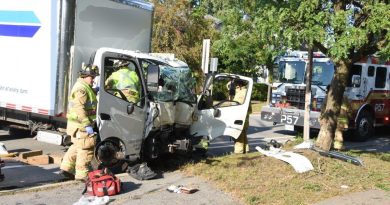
[{"x": 333, "y": 105}]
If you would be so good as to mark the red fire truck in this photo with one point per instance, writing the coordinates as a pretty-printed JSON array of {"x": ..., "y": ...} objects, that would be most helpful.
[{"x": 366, "y": 102}]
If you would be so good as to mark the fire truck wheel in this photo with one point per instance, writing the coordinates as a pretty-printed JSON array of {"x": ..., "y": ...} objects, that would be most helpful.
[{"x": 364, "y": 127}]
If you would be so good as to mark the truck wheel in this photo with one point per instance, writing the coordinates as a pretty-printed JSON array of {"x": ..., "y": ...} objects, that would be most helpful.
[
  {"x": 109, "y": 149},
  {"x": 364, "y": 127}
]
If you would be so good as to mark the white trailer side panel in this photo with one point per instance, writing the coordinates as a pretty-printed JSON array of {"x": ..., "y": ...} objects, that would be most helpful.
[
  {"x": 28, "y": 53},
  {"x": 121, "y": 24}
]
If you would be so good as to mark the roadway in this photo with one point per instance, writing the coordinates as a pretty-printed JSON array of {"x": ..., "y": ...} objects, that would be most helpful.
[{"x": 22, "y": 179}]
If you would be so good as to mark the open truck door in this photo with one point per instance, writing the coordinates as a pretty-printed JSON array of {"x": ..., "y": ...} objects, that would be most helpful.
[
  {"x": 222, "y": 111},
  {"x": 118, "y": 115}
]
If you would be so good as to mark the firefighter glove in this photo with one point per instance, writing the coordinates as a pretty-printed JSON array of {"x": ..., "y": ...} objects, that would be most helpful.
[{"x": 89, "y": 130}]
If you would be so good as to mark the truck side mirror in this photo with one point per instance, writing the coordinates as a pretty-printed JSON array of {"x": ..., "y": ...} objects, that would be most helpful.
[
  {"x": 152, "y": 77},
  {"x": 355, "y": 80}
]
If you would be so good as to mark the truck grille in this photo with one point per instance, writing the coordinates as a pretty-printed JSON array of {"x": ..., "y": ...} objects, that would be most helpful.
[{"x": 296, "y": 97}]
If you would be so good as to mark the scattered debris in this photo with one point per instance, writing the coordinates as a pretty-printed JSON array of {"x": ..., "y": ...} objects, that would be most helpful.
[
  {"x": 39, "y": 160},
  {"x": 339, "y": 155},
  {"x": 141, "y": 172},
  {"x": 344, "y": 186},
  {"x": 92, "y": 200},
  {"x": 24, "y": 155},
  {"x": 181, "y": 189},
  {"x": 305, "y": 145},
  {"x": 3, "y": 150},
  {"x": 55, "y": 158},
  {"x": 274, "y": 144},
  {"x": 299, "y": 162},
  {"x": 12, "y": 154}
]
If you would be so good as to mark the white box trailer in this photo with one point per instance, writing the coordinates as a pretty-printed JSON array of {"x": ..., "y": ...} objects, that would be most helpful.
[
  {"x": 44, "y": 43},
  {"x": 42, "y": 46}
]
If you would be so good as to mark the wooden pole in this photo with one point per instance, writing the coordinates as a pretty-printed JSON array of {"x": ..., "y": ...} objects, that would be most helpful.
[{"x": 309, "y": 70}]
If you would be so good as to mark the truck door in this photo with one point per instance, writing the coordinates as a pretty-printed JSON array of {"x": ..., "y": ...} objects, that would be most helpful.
[
  {"x": 121, "y": 105},
  {"x": 223, "y": 106}
]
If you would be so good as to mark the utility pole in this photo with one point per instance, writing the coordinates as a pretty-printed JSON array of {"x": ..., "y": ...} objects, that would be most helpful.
[{"x": 309, "y": 70}]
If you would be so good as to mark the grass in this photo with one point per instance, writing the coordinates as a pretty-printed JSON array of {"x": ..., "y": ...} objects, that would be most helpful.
[{"x": 256, "y": 179}]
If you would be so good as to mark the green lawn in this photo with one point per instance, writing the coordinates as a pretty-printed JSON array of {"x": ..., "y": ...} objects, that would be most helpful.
[{"x": 256, "y": 179}]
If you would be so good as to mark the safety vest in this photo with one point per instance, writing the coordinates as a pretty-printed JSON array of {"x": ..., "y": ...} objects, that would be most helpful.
[
  {"x": 90, "y": 105},
  {"x": 125, "y": 79}
]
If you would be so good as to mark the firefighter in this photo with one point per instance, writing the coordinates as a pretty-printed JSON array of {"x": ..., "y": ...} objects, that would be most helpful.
[
  {"x": 241, "y": 145},
  {"x": 126, "y": 80},
  {"x": 81, "y": 119}
]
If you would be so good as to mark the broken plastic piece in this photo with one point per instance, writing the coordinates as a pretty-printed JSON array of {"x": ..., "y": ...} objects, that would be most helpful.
[
  {"x": 299, "y": 162},
  {"x": 304, "y": 145}
]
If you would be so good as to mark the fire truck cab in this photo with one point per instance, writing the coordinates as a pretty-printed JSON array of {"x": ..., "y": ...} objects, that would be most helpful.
[{"x": 288, "y": 89}]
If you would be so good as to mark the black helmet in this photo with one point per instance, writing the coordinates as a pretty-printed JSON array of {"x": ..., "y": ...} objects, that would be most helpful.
[{"x": 89, "y": 70}]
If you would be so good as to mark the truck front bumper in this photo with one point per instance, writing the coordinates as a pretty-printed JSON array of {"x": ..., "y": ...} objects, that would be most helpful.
[{"x": 288, "y": 116}]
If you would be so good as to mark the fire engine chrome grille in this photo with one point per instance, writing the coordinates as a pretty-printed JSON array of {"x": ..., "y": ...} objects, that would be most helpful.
[{"x": 296, "y": 97}]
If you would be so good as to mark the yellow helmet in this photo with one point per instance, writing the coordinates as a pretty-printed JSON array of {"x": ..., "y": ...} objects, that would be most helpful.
[{"x": 89, "y": 70}]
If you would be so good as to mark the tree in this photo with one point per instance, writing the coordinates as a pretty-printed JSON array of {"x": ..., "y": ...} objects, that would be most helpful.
[
  {"x": 180, "y": 28},
  {"x": 238, "y": 46},
  {"x": 344, "y": 30}
]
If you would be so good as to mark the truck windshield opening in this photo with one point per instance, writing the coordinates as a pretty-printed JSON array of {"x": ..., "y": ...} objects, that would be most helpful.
[
  {"x": 322, "y": 73},
  {"x": 291, "y": 72}
]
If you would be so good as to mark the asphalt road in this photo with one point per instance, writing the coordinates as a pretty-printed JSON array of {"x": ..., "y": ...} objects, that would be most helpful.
[{"x": 25, "y": 184}]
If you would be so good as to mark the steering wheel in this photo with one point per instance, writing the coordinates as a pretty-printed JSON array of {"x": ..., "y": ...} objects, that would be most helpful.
[{"x": 223, "y": 101}]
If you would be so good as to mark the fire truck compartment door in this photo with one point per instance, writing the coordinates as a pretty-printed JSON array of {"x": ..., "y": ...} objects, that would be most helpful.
[{"x": 218, "y": 114}]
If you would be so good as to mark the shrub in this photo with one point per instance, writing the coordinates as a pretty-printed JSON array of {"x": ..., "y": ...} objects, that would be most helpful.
[{"x": 259, "y": 92}]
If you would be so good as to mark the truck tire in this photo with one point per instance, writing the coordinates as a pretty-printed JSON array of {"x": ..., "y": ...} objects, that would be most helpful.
[
  {"x": 119, "y": 166},
  {"x": 364, "y": 127}
]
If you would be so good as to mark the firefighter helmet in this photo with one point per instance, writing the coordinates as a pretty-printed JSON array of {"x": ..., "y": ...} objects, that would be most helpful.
[{"x": 89, "y": 70}]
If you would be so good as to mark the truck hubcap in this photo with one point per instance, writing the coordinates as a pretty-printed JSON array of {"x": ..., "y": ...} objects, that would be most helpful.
[{"x": 364, "y": 126}]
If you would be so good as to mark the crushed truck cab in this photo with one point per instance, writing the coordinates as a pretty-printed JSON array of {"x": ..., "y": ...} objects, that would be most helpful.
[{"x": 169, "y": 117}]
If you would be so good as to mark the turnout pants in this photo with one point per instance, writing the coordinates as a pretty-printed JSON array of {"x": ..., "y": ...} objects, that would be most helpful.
[{"x": 78, "y": 158}]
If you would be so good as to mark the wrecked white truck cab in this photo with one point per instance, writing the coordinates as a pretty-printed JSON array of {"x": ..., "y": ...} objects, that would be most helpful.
[{"x": 169, "y": 117}]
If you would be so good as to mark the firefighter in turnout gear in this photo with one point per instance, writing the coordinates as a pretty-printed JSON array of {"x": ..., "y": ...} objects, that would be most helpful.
[
  {"x": 81, "y": 118},
  {"x": 125, "y": 80}
]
